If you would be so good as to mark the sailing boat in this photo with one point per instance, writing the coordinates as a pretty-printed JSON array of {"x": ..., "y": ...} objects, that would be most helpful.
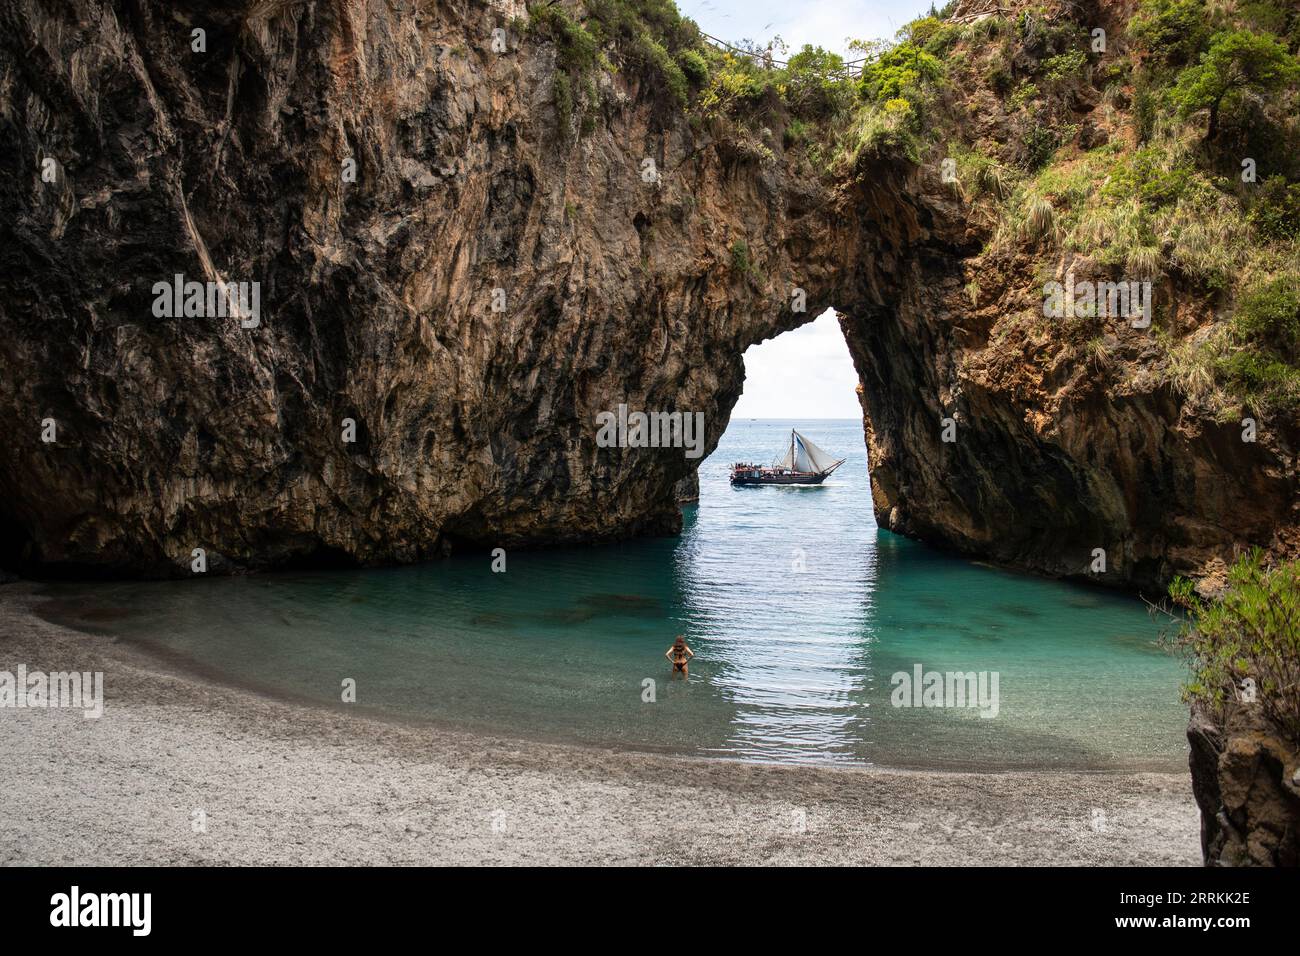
[{"x": 803, "y": 464}]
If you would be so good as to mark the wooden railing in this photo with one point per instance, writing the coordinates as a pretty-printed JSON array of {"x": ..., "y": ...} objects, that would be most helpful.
[{"x": 850, "y": 70}]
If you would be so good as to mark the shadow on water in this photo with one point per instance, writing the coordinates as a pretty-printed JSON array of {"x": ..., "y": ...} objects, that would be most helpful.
[
  {"x": 595, "y": 606},
  {"x": 1017, "y": 610}
]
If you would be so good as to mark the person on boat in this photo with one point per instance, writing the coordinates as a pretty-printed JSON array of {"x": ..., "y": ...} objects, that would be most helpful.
[{"x": 680, "y": 655}]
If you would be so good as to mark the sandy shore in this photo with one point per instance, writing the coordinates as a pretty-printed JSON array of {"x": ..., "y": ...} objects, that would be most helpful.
[{"x": 282, "y": 783}]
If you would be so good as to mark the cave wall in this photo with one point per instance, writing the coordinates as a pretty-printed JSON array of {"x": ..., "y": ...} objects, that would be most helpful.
[
  {"x": 476, "y": 427},
  {"x": 1051, "y": 459},
  {"x": 376, "y": 296}
]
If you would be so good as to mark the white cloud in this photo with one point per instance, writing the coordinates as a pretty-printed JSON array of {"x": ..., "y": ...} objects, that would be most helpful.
[{"x": 805, "y": 373}]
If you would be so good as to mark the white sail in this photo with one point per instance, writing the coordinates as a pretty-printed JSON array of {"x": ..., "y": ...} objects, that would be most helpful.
[
  {"x": 808, "y": 457},
  {"x": 802, "y": 455}
]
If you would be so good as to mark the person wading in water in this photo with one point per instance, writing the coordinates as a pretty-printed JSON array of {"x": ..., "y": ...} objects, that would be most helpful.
[{"x": 680, "y": 655}]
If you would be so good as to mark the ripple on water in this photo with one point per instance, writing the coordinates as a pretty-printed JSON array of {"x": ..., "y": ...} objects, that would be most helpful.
[{"x": 800, "y": 611}]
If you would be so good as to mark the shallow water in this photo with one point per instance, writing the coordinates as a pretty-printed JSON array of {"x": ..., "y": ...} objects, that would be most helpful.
[{"x": 793, "y": 665}]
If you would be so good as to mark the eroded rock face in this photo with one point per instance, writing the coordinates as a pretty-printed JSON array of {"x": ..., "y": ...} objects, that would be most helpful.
[
  {"x": 474, "y": 408},
  {"x": 1061, "y": 459},
  {"x": 1052, "y": 460},
  {"x": 475, "y": 426},
  {"x": 1246, "y": 779}
]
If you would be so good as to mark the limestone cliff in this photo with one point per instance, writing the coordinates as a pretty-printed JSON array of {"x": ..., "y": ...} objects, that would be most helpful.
[{"x": 490, "y": 280}]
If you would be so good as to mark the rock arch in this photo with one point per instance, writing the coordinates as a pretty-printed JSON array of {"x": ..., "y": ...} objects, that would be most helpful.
[{"x": 380, "y": 301}]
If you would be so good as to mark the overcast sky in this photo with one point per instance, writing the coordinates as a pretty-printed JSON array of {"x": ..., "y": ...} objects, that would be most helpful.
[
  {"x": 826, "y": 23},
  {"x": 806, "y": 373}
]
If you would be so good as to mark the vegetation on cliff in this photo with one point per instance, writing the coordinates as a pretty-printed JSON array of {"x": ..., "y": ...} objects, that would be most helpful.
[
  {"x": 1169, "y": 153},
  {"x": 1166, "y": 149},
  {"x": 1244, "y": 647}
]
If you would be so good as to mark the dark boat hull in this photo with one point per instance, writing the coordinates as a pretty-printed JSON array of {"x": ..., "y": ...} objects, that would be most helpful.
[
  {"x": 778, "y": 479},
  {"x": 787, "y": 470}
]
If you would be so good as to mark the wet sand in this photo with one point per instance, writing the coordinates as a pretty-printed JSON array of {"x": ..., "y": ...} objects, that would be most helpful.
[{"x": 287, "y": 783}]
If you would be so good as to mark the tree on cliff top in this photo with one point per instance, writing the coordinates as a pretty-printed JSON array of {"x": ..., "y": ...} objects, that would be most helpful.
[{"x": 1237, "y": 63}]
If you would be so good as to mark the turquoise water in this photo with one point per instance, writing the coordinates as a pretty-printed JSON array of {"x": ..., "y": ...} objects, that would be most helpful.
[{"x": 793, "y": 665}]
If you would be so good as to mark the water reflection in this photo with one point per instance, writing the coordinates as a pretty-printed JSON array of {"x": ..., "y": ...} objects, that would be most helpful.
[{"x": 796, "y": 675}]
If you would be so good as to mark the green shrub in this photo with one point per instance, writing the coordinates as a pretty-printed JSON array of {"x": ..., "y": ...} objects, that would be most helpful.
[
  {"x": 1146, "y": 105},
  {"x": 815, "y": 82},
  {"x": 943, "y": 39},
  {"x": 1252, "y": 632},
  {"x": 887, "y": 129},
  {"x": 1276, "y": 211},
  {"x": 898, "y": 71},
  {"x": 576, "y": 54},
  {"x": 999, "y": 77},
  {"x": 735, "y": 86},
  {"x": 650, "y": 37},
  {"x": 1263, "y": 370},
  {"x": 1070, "y": 64},
  {"x": 1266, "y": 16},
  {"x": 576, "y": 50},
  {"x": 1115, "y": 72},
  {"x": 988, "y": 28},
  {"x": 563, "y": 92},
  {"x": 648, "y": 55},
  {"x": 1024, "y": 97},
  {"x": 1041, "y": 140},
  {"x": 1170, "y": 31},
  {"x": 1149, "y": 175},
  {"x": 1260, "y": 380},
  {"x": 694, "y": 67},
  {"x": 921, "y": 31},
  {"x": 1269, "y": 318},
  {"x": 797, "y": 131},
  {"x": 740, "y": 257}
]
